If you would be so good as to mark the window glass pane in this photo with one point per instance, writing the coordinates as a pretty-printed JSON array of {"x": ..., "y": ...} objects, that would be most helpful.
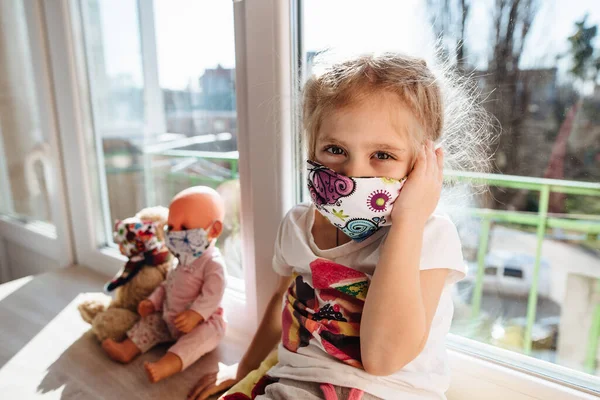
[
  {"x": 533, "y": 249},
  {"x": 164, "y": 105},
  {"x": 25, "y": 159}
]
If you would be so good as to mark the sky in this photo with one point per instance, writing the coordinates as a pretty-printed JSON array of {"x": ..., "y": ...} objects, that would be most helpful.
[{"x": 193, "y": 35}]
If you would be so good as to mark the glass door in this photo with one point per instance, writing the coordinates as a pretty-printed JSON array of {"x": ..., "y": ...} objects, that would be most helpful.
[{"x": 34, "y": 234}]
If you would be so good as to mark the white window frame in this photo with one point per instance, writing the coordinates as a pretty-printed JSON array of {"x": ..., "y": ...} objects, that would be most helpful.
[
  {"x": 267, "y": 178},
  {"x": 51, "y": 240}
]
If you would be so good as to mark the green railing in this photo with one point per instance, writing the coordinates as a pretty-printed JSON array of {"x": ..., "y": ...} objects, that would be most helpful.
[
  {"x": 541, "y": 220},
  {"x": 587, "y": 224}
]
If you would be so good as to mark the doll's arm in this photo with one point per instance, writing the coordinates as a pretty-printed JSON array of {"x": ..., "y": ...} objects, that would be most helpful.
[
  {"x": 213, "y": 288},
  {"x": 158, "y": 296}
]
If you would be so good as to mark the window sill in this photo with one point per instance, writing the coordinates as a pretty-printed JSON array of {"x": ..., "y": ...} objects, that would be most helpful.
[{"x": 476, "y": 369}]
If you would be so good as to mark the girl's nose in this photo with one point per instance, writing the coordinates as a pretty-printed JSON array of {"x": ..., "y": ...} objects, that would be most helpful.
[{"x": 354, "y": 168}]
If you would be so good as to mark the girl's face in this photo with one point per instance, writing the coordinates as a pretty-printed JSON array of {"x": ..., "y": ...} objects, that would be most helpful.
[{"x": 371, "y": 139}]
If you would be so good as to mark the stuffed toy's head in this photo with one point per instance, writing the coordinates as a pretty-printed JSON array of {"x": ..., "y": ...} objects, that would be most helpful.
[
  {"x": 141, "y": 240},
  {"x": 136, "y": 236}
]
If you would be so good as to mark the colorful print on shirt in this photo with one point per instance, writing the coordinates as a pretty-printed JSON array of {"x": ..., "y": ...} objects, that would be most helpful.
[{"x": 328, "y": 313}]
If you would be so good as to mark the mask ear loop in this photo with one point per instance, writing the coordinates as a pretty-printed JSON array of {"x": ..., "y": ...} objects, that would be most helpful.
[{"x": 209, "y": 227}]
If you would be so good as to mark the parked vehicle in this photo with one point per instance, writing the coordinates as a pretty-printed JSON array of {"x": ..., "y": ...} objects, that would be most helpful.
[{"x": 511, "y": 274}]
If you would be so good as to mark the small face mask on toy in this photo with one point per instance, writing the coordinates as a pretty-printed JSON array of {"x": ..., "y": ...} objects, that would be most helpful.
[
  {"x": 139, "y": 242},
  {"x": 135, "y": 238},
  {"x": 188, "y": 245},
  {"x": 359, "y": 207}
]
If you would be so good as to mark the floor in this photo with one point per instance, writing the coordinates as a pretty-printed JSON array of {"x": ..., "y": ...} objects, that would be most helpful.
[{"x": 47, "y": 352}]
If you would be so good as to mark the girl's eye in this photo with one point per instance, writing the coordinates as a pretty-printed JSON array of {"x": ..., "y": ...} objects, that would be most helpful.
[
  {"x": 380, "y": 155},
  {"x": 335, "y": 150}
]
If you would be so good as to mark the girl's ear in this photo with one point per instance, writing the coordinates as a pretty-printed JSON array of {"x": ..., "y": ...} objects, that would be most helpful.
[{"x": 215, "y": 230}]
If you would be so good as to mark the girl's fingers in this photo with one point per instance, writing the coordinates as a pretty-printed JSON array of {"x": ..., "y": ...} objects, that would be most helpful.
[
  {"x": 421, "y": 163},
  {"x": 440, "y": 162},
  {"x": 430, "y": 158},
  {"x": 204, "y": 382}
]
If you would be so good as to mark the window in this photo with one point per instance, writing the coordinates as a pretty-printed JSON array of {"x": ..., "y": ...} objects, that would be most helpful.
[
  {"x": 513, "y": 272},
  {"x": 25, "y": 156},
  {"x": 532, "y": 243},
  {"x": 163, "y": 101}
]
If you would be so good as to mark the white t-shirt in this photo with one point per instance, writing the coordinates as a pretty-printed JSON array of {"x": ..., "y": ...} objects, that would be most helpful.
[{"x": 428, "y": 375}]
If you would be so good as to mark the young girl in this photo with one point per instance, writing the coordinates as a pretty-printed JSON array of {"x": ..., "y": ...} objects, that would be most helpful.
[{"x": 366, "y": 268}]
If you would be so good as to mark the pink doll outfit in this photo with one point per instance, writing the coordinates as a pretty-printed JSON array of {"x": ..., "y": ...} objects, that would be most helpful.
[{"x": 198, "y": 286}]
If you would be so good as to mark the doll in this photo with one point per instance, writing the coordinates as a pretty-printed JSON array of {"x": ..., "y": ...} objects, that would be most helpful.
[{"x": 186, "y": 308}]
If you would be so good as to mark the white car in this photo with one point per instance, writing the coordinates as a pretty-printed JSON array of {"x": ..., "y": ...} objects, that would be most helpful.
[{"x": 509, "y": 273}]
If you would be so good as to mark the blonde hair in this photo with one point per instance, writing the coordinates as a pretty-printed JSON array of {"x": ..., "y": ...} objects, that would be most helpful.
[{"x": 444, "y": 103}]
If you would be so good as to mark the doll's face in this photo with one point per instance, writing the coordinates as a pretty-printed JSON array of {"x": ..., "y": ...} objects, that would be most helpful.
[{"x": 195, "y": 211}]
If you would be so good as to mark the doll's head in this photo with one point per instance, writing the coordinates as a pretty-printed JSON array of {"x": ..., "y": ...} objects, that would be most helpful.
[
  {"x": 195, "y": 221},
  {"x": 141, "y": 240}
]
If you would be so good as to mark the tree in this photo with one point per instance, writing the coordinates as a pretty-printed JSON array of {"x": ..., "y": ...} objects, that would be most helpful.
[
  {"x": 586, "y": 66},
  {"x": 512, "y": 20},
  {"x": 511, "y": 89},
  {"x": 449, "y": 21},
  {"x": 508, "y": 85}
]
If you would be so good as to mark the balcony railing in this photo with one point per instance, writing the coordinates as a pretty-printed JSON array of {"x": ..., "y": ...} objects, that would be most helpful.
[{"x": 586, "y": 224}]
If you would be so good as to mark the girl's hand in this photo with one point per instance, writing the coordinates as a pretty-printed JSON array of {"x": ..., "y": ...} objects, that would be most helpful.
[
  {"x": 214, "y": 382},
  {"x": 421, "y": 192},
  {"x": 145, "y": 308}
]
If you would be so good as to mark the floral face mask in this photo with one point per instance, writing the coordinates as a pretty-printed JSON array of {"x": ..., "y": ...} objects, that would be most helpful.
[
  {"x": 359, "y": 207},
  {"x": 188, "y": 245},
  {"x": 136, "y": 237},
  {"x": 139, "y": 242}
]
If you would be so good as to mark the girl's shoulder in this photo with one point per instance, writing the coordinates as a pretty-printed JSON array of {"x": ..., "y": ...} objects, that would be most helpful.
[
  {"x": 440, "y": 227},
  {"x": 438, "y": 219},
  {"x": 297, "y": 214}
]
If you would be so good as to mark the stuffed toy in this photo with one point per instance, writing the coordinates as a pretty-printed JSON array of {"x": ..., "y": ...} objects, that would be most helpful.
[{"x": 141, "y": 239}]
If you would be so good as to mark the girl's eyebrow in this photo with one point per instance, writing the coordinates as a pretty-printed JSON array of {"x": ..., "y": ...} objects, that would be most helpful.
[
  {"x": 378, "y": 146},
  {"x": 385, "y": 146},
  {"x": 332, "y": 140}
]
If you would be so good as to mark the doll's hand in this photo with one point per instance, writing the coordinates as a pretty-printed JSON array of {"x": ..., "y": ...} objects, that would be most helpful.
[
  {"x": 214, "y": 382},
  {"x": 421, "y": 192},
  {"x": 187, "y": 320},
  {"x": 145, "y": 308}
]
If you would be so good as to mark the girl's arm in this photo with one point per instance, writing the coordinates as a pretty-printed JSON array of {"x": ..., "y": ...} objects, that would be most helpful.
[
  {"x": 402, "y": 299},
  {"x": 268, "y": 333},
  {"x": 401, "y": 302}
]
